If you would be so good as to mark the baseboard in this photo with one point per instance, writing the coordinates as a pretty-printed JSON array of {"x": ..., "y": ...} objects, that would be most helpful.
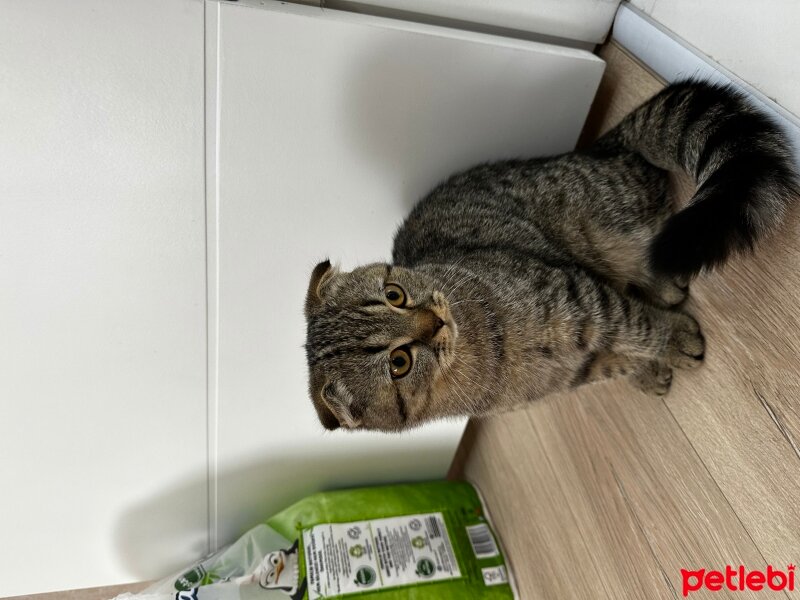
[{"x": 673, "y": 58}]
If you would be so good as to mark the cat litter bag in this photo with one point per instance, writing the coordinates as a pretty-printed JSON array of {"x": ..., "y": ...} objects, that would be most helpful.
[{"x": 429, "y": 541}]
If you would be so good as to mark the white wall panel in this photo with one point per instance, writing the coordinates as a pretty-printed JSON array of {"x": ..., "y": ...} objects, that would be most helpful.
[
  {"x": 583, "y": 20},
  {"x": 756, "y": 41},
  {"x": 329, "y": 127},
  {"x": 674, "y": 59},
  {"x": 102, "y": 312}
]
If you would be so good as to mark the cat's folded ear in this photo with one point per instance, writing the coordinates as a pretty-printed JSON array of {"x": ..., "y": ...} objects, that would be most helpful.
[{"x": 320, "y": 277}]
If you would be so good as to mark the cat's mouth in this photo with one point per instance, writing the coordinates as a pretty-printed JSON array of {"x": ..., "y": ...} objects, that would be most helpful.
[
  {"x": 444, "y": 337},
  {"x": 442, "y": 329}
]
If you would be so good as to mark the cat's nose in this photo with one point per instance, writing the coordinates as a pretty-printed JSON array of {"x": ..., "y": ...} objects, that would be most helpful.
[{"x": 426, "y": 324}]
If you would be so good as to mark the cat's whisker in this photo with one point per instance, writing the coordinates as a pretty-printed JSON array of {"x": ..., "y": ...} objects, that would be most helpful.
[
  {"x": 447, "y": 283},
  {"x": 460, "y": 283},
  {"x": 456, "y": 364},
  {"x": 472, "y": 382},
  {"x": 464, "y": 402},
  {"x": 463, "y": 280},
  {"x": 456, "y": 389},
  {"x": 475, "y": 301},
  {"x": 448, "y": 272},
  {"x": 451, "y": 269}
]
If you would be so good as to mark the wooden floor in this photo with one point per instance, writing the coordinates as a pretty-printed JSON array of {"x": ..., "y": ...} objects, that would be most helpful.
[
  {"x": 608, "y": 493},
  {"x": 98, "y": 593}
]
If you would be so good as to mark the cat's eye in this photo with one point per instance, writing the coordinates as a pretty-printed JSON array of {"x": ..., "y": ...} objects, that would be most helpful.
[
  {"x": 399, "y": 362},
  {"x": 395, "y": 295}
]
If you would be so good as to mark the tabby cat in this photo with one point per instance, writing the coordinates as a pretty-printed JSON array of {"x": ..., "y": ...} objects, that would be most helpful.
[{"x": 521, "y": 278}]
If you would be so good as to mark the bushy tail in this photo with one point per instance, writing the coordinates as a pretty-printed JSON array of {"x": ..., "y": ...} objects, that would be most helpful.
[{"x": 741, "y": 161}]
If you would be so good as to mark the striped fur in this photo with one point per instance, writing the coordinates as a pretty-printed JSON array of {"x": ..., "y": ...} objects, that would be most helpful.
[
  {"x": 527, "y": 277},
  {"x": 739, "y": 159}
]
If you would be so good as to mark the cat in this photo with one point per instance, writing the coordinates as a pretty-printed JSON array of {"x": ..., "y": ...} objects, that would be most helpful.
[{"x": 520, "y": 278}]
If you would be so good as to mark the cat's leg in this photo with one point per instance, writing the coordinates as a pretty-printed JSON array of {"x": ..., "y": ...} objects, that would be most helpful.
[
  {"x": 685, "y": 349},
  {"x": 638, "y": 338},
  {"x": 639, "y": 329},
  {"x": 613, "y": 233},
  {"x": 603, "y": 365},
  {"x": 650, "y": 376},
  {"x": 686, "y": 346}
]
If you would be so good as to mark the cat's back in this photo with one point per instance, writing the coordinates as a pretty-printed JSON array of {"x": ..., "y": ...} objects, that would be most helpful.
[
  {"x": 469, "y": 210},
  {"x": 515, "y": 205}
]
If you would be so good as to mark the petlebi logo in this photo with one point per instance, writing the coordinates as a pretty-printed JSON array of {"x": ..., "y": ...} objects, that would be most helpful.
[{"x": 738, "y": 579}]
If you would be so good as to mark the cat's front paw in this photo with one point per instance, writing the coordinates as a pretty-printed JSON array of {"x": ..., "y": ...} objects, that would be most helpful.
[
  {"x": 654, "y": 378},
  {"x": 686, "y": 346}
]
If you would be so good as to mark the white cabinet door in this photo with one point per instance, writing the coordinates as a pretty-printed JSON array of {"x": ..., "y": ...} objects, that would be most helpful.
[
  {"x": 102, "y": 300},
  {"x": 327, "y": 127}
]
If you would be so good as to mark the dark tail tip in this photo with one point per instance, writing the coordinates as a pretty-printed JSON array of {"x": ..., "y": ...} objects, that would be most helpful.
[
  {"x": 740, "y": 202},
  {"x": 702, "y": 236}
]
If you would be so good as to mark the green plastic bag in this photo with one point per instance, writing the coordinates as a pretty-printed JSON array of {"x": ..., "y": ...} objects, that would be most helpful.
[{"x": 415, "y": 541}]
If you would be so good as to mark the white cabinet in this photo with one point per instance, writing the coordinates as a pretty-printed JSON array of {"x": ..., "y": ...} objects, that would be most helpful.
[
  {"x": 329, "y": 126},
  {"x": 171, "y": 173}
]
